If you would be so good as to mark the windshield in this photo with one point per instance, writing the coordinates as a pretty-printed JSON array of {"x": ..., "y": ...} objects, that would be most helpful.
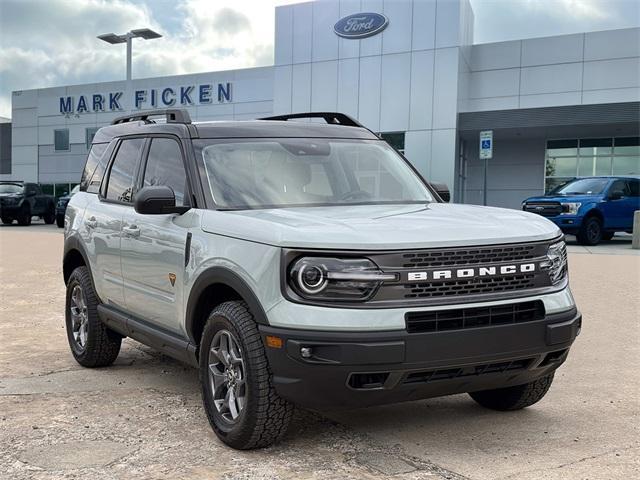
[
  {"x": 268, "y": 173},
  {"x": 10, "y": 188},
  {"x": 583, "y": 186}
]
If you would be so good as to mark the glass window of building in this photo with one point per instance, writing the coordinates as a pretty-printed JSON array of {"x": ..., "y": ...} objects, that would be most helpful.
[
  {"x": 61, "y": 139},
  {"x": 588, "y": 157},
  {"x": 395, "y": 139},
  {"x": 89, "y": 133}
]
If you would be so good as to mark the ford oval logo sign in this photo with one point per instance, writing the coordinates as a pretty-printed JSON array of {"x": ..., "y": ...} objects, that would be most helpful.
[{"x": 360, "y": 25}]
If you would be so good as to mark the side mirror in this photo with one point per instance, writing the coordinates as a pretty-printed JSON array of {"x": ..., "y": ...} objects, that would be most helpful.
[
  {"x": 442, "y": 190},
  {"x": 616, "y": 195},
  {"x": 157, "y": 200}
]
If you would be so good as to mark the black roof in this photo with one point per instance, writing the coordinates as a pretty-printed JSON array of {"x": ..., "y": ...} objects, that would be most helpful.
[{"x": 178, "y": 123}]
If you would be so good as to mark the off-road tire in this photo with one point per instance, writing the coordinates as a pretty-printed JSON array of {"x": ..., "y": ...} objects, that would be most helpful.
[
  {"x": 24, "y": 217},
  {"x": 514, "y": 398},
  {"x": 50, "y": 216},
  {"x": 265, "y": 417},
  {"x": 60, "y": 221},
  {"x": 590, "y": 232},
  {"x": 102, "y": 344},
  {"x": 7, "y": 220}
]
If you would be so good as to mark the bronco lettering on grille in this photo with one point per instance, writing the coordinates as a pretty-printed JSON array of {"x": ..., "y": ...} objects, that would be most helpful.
[{"x": 469, "y": 273}]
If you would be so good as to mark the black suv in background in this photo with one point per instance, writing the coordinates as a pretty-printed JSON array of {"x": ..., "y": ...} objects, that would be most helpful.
[{"x": 22, "y": 200}]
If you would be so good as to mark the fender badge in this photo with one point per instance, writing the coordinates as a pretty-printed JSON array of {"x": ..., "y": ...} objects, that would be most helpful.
[{"x": 172, "y": 279}]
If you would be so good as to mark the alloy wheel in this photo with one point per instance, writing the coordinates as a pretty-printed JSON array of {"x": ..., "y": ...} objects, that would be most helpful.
[
  {"x": 79, "y": 316},
  {"x": 227, "y": 375}
]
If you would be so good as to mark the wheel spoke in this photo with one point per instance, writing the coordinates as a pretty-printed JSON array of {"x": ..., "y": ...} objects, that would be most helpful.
[
  {"x": 233, "y": 406},
  {"x": 219, "y": 379}
]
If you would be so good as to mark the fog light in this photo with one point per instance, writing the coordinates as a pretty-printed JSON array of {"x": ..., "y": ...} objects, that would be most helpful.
[{"x": 306, "y": 352}]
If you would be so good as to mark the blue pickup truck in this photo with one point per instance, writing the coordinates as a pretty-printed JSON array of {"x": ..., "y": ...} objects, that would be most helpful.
[{"x": 593, "y": 209}]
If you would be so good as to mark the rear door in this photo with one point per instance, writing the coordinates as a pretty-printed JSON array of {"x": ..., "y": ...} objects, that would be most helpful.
[
  {"x": 103, "y": 220},
  {"x": 153, "y": 246}
]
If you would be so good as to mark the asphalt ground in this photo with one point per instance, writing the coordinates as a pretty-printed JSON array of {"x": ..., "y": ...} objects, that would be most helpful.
[{"x": 142, "y": 417}]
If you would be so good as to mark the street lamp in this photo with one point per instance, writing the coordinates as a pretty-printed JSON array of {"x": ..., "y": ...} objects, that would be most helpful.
[{"x": 127, "y": 38}]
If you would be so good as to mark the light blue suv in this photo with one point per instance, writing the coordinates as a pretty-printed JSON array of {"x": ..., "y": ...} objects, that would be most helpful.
[
  {"x": 592, "y": 208},
  {"x": 309, "y": 264}
]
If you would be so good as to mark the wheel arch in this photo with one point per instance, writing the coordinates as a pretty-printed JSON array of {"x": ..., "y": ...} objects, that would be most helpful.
[
  {"x": 74, "y": 256},
  {"x": 214, "y": 286}
]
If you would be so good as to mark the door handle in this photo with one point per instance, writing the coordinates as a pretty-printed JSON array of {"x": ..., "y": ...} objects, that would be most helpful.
[
  {"x": 91, "y": 223},
  {"x": 132, "y": 231}
]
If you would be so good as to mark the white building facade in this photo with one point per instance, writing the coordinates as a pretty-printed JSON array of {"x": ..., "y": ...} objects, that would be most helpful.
[{"x": 558, "y": 106}]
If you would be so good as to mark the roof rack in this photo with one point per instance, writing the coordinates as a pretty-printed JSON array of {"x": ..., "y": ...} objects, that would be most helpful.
[
  {"x": 333, "y": 118},
  {"x": 173, "y": 115}
]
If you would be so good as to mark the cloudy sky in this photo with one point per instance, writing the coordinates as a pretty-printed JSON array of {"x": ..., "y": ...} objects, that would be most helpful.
[{"x": 47, "y": 43}]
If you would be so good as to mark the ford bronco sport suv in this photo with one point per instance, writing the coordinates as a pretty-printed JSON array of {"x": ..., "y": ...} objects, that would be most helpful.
[{"x": 306, "y": 263}]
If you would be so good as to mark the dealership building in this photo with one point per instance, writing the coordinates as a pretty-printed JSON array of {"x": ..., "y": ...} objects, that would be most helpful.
[{"x": 558, "y": 107}]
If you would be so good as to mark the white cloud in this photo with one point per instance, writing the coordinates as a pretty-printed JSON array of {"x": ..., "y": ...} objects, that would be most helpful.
[{"x": 46, "y": 43}]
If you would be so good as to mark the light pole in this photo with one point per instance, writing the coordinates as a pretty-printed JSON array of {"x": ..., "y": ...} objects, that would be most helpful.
[{"x": 127, "y": 38}]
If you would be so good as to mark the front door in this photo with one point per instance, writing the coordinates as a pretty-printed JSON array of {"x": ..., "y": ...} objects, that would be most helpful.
[{"x": 153, "y": 246}]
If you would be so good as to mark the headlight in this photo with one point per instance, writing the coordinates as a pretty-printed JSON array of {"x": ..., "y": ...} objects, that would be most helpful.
[
  {"x": 556, "y": 263},
  {"x": 336, "y": 279},
  {"x": 570, "y": 208},
  {"x": 61, "y": 203}
]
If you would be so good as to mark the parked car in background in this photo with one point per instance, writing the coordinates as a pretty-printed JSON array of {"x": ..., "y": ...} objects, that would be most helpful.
[
  {"x": 22, "y": 200},
  {"x": 61, "y": 206},
  {"x": 593, "y": 209}
]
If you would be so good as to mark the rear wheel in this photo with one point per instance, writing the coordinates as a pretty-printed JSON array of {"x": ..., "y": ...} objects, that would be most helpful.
[
  {"x": 60, "y": 221},
  {"x": 514, "y": 398},
  {"x": 7, "y": 220},
  {"x": 92, "y": 343},
  {"x": 590, "y": 232},
  {"x": 24, "y": 218},
  {"x": 241, "y": 403}
]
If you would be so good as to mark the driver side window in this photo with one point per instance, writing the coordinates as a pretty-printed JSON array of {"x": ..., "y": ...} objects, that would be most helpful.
[
  {"x": 619, "y": 186},
  {"x": 165, "y": 167}
]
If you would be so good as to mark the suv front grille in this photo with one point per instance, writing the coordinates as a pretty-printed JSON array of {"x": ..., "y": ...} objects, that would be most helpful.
[
  {"x": 470, "y": 287},
  {"x": 546, "y": 209},
  {"x": 463, "y": 318},
  {"x": 464, "y": 257}
]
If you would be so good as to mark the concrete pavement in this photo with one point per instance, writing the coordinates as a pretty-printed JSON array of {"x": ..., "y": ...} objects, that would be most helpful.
[{"x": 143, "y": 418}]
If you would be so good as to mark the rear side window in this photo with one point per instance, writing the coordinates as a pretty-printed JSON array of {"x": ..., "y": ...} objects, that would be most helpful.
[
  {"x": 634, "y": 188},
  {"x": 165, "y": 167},
  {"x": 120, "y": 183},
  {"x": 94, "y": 168}
]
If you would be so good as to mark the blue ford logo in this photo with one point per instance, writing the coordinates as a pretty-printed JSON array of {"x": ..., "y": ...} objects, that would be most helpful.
[{"x": 360, "y": 25}]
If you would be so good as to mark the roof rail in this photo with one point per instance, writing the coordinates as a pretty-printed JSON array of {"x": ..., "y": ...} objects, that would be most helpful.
[
  {"x": 173, "y": 115},
  {"x": 333, "y": 118}
]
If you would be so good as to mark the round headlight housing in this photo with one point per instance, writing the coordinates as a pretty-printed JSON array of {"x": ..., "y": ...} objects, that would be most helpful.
[{"x": 336, "y": 279}]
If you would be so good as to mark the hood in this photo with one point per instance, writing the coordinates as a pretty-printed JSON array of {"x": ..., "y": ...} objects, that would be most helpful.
[
  {"x": 381, "y": 227},
  {"x": 4, "y": 195},
  {"x": 565, "y": 198}
]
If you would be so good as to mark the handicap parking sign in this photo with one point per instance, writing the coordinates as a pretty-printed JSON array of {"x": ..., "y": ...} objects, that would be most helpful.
[{"x": 486, "y": 144}]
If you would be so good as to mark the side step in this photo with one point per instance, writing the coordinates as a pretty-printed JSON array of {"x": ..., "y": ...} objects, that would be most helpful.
[{"x": 159, "y": 339}]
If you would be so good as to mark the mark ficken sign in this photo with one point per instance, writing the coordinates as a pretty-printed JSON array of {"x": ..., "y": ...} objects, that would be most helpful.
[{"x": 203, "y": 94}]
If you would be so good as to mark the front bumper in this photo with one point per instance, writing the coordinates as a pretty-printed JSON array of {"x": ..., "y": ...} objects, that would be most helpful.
[
  {"x": 356, "y": 369},
  {"x": 567, "y": 223},
  {"x": 10, "y": 210}
]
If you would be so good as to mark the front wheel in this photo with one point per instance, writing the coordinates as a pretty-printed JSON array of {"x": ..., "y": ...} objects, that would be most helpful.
[
  {"x": 60, "y": 221},
  {"x": 590, "y": 232},
  {"x": 50, "y": 216},
  {"x": 241, "y": 403},
  {"x": 7, "y": 220},
  {"x": 24, "y": 217},
  {"x": 92, "y": 343},
  {"x": 514, "y": 398}
]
